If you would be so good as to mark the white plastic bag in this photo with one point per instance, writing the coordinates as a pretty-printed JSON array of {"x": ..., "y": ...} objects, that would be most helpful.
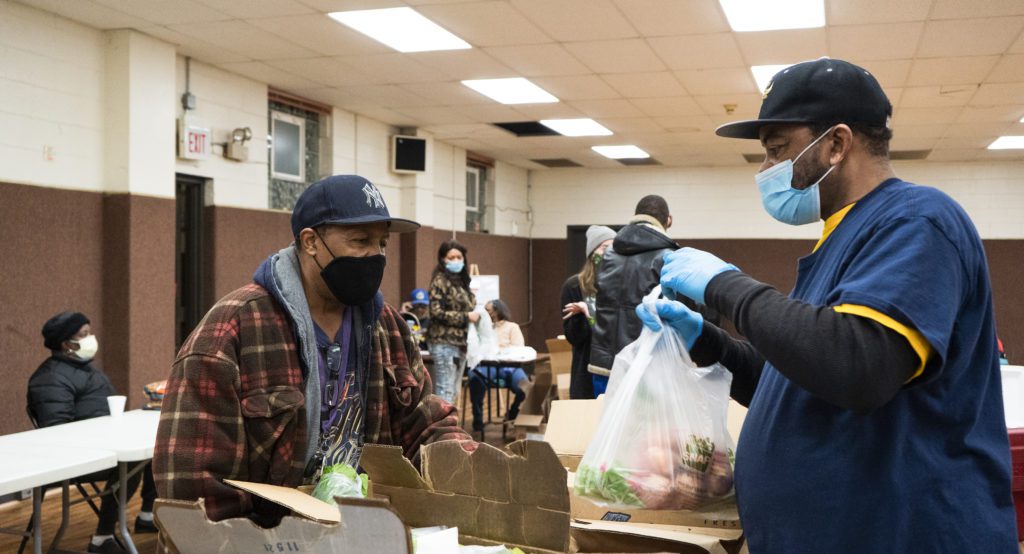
[
  {"x": 481, "y": 340},
  {"x": 662, "y": 441}
]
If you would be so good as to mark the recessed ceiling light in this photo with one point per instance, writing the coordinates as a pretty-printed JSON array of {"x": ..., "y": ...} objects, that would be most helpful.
[
  {"x": 583, "y": 127},
  {"x": 759, "y": 15},
  {"x": 403, "y": 29},
  {"x": 620, "y": 152},
  {"x": 1007, "y": 143},
  {"x": 763, "y": 74},
  {"x": 513, "y": 90}
]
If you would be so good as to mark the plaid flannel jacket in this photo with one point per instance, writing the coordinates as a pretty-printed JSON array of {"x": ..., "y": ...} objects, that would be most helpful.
[{"x": 234, "y": 406}]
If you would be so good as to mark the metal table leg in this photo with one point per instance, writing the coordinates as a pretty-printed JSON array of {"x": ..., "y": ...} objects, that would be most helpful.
[
  {"x": 122, "y": 503},
  {"x": 37, "y": 520},
  {"x": 65, "y": 512}
]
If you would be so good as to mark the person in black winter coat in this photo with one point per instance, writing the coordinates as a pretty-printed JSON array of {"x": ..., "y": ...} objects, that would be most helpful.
[
  {"x": 68, "y": 387},
  {"x": 630, "y": 269},
  {"x": 579, "y": 294}
]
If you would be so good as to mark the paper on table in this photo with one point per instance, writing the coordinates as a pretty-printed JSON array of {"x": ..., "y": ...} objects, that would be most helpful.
[{"x": 438, "y": 542}]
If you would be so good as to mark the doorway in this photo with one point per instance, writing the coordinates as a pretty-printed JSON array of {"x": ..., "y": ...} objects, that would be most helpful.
[{"x": 190, "y": 194}]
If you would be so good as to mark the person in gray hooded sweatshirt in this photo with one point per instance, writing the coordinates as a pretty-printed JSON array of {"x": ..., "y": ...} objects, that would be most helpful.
[{"x": 298, "y": 370}]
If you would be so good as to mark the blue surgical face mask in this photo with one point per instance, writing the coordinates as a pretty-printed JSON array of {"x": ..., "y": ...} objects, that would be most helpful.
[
  {"x": 455, "y": 267},
  {"x": 781, "y": 200}
]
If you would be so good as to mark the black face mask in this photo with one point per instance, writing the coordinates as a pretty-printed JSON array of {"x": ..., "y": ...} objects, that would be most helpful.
[{"x": 353, "y": 281}]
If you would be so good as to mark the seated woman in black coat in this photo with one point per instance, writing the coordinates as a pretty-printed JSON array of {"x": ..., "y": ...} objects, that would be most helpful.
[{"x": 68, "y": 387}]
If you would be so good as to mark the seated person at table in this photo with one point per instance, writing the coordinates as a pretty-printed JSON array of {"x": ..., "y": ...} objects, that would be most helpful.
[
  {"x": 299, "y": 369},
  {"x": 69, "y": 387},
  {"x": 509, "y": 334}
]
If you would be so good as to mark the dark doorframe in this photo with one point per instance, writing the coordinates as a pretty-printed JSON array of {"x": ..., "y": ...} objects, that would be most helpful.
[{"x": 190, "y": 193}]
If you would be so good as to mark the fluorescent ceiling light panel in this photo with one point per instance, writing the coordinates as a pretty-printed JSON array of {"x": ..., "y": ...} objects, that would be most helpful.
[
  {"x": 1022, "y": 120},
  {"x": 583, "y": 127},
  {"x": 403, "y": 29},
  {"x": 763, "y": 74},
  {"x": 620, "y": 152},
  {"x": 514, "y": 90},
  {"x": 1007, "y": 143},
  {"x": 762, "y": 15}
]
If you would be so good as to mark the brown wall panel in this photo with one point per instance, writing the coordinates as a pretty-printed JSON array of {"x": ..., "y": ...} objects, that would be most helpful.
[
  {"x": 52, "y": 252},
  {"x": 549, "y": 273},
  {"x": 237, "y": 242},
  {"x": 1006, "y": 268}
]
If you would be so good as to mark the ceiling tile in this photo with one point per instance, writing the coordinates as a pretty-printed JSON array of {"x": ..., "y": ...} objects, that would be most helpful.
[
  {"x": 881, "y": 41},
  {"x": 388, "y": 96},
  {"x": 854, "y": 12},
  {"x": 574, "y": 20},
  {"x": 329, "y": 71},
  {"x": 464, "y": 64},
  {"x": 924, "y": 116},
  {"x": 933, "y": 131},
  {"x": 490, "y": 113},
  {"x": 629, "y": 125},
  {"x": 990, "y": 129},
  {"x": 644, "y": 85},
  {"x": 327, "y": 6},
  {"x": 196, "y": 48},
  {"x": 688, "y": 124},
  {"x": 888, "y": 73},
  {"x": 718, "y": 81},
  {"x": 536, "y": 112},
  {"x": 1018, "y": 47},
  {"x": 253, "y": 9},
  {"x": 951, "y": 71},
  {"x": 954, "y": 143},
  {"x": 321, "y": 34},
  {"x": 1005, "y": 113},
  {"x": 485, "y": 23},
  {"x": 657, "y": 107},
  {"x": 936, "y": 96},
  {"x": 240, "y": 36},
  {"x": 606, "y": 108},
  {"x": 90, "y": 13},
  {"x": 1010, "y": 69},
  {"x": 447, "y": 94},
  {"x": 395, "y": 68},
  {"x": 955, "y": 155},
  {"x": 273, "y": 76},
  {"x": 698, "y": 51},
  {"x": 616, "y": 56},
  {"x": 536, "y": 60},
  {"x": 999, "y": 94},
  {"x": 746, "y": 106},
  {"x": 958, "y": 9},
  {"x": 969, "y": 37},
  {"x": 429, "y": 115},
  {"x": 581, "y": 87},
  {"x": 654, "y": 18},
  {"x": 167, "y": 12},
  {"x": 904, "y": 142},
  {"x": 778, "y": 47}
]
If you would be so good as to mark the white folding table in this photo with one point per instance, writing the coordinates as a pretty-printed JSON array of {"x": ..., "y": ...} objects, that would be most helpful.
[
  {"x": 32, "y": 466},
  {"x": 130, "y": 437}
]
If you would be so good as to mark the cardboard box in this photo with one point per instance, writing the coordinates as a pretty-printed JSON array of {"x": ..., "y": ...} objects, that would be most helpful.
[
  {"x": 355, "y": 525},
  {"x": 570, "y": 428},
  {"x": 592, "y": 537},
  {"x": 564, "y": 380},
  {"x": 561, "y": 355},
  {"x": 516, "y": 498}
]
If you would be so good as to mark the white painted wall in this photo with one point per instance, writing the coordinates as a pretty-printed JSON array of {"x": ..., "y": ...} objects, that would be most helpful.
[
  {"x": 723, "y": 202},
  {"x": 51, "y": 97}
]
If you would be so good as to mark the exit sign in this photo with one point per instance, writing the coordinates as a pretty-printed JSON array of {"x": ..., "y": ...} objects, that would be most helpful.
[{"x": 194, "y": 141}]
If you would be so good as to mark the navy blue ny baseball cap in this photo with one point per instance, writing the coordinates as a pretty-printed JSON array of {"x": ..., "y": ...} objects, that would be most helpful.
[
  {"x": 823, "y": 91},
  {"x": 344, "y": 200}
]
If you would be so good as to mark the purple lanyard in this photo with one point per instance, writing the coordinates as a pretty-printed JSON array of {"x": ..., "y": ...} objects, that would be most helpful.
[{"x": 334, "y": 372}]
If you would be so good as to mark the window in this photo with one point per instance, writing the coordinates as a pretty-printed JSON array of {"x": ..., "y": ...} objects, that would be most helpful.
[
  {"x": 476, "y": 208},
  {"x": 288, "y": 147}
]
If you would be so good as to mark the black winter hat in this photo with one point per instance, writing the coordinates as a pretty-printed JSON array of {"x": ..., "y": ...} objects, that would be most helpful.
[
  {"x": 824, "y": 91},
  {"x": 62, "y": 327}
]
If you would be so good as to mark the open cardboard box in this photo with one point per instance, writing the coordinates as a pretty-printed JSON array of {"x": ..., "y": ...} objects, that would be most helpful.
[
  {"x": 355, "y": 525},
  {"x": 569, "y": 430},
  {"x": 515, "y": 498}
]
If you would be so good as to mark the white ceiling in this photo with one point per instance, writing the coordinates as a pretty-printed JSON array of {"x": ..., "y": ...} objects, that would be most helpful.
[{"x": 656, "y": 72}]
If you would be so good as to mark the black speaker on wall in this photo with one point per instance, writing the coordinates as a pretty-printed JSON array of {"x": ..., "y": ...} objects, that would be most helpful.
[{"x": 408, "y": 154}]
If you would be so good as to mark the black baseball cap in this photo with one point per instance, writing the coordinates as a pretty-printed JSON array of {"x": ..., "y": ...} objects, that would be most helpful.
[
  {"x": 824, "y": 91},
  {"x": 344, "y": 200}
]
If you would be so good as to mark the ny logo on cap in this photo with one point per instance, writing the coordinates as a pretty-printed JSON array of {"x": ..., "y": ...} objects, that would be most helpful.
[{"x": 373, "y": 197}]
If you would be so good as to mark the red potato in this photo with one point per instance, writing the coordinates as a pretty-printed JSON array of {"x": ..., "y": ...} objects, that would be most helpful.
[{"x": 655, "y": 491}]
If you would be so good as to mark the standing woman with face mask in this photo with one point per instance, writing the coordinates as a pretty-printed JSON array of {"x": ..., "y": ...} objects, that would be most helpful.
[
  {"x": 451, "y": 312},
  {"x": 579, "y": 306}
]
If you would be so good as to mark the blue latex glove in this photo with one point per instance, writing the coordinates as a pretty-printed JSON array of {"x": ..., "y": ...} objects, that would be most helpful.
[
  {"x": 688, "y": 271},
  {"x": 676, "y": 315}
]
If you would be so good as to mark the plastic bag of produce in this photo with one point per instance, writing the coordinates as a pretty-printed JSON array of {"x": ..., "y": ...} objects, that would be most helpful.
[
  {"x": 340, "y": 480},
  {"x": 662, "y": 441}
]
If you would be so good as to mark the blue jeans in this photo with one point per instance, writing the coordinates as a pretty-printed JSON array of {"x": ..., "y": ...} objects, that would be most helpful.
[
  {"x": 504, "y": 377},
  {"x": 446, "y": 371}
]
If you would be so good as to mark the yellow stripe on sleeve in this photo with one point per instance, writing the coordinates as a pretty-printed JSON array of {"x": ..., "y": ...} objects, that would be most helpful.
[{"x": 917, "y": 341}]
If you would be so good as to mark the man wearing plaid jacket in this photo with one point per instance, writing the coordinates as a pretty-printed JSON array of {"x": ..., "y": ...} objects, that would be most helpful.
[{"x": 297, "y": 370}]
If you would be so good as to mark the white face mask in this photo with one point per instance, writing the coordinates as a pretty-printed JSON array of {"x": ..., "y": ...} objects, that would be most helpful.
[{"x": 87, "y": 347}]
